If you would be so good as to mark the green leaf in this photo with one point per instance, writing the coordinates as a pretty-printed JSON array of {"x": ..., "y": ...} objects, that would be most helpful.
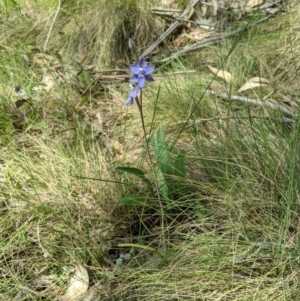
[
  {"x": 179, "y": 166},
  {"x": 162, "y": 184},
  {"x": 132, "y": 170},
  {"x": 137, "y": 172},
  {"x": 84, "y": 100},
  {"x": 133, "y": 200},
  {"x": 161, "y": 151}
]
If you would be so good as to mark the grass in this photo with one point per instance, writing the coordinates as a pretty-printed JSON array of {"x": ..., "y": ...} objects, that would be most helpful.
[{"x": 233, "y": 235}]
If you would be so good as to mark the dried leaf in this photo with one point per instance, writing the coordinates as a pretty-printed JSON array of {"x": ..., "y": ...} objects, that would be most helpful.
[
  {"x": 19, "y": 103},
  {"x": 180, "y": 40},
  {"x": 203, "y": 10},
  {"x": 252, "y": 3},
  {"x": 221, "y": 73},
  {"x": 48, "y": 83},
  {"x": 198, "y": 34},
  {"x": 254, "y": 82},
  {"x": 257, "y": 79},
  {"x": 95, "y": 292},
  {"x": 242, "y": 5},
  {"x": 207, "y": 24},
  {"x": 97, "y": 125},
  {"x": 215, "y": 7},
  {"x": 118, "y": 147},
  {"x": 78, "y": 286},
  {"x": 168, "y": 3},
  {"x": 37, "y": 60},
  {"x": 250, "y": 86},
  {"x": 189, "y": 15}
]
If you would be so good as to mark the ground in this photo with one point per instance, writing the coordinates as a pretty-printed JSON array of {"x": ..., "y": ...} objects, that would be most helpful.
[{"x": 200, "y": 201}]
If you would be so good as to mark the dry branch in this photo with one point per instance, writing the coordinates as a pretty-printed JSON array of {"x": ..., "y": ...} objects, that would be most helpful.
[
  {"x": 265, "y": 103},
  {"x": 169, "y": 30},
  {"x": 269, "y": 8}
]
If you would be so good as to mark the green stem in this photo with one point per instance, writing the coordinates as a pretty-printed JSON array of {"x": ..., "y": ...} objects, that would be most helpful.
[{"x": 140, "y": 106}]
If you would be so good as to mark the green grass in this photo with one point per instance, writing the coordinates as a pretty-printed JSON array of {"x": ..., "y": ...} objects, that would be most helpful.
[{"x": 233, "y": 235}]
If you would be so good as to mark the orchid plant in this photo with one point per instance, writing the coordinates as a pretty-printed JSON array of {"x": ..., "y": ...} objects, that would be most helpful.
[
  {"x": 141, "y": 73},
  {"x": 164, "y": 168}
]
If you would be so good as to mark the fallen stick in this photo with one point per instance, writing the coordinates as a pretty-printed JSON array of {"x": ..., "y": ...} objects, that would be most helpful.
[
  {"x": 169, "y": 30},
  {"x": 204, "y": 43},
  {"x": 266, "y": 103},
  {"x": 216, "y": 39},
  {"x": 191, "y": 123}
]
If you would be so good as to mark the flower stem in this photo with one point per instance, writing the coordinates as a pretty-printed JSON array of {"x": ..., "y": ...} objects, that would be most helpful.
[{"x": 140, "y": 106}]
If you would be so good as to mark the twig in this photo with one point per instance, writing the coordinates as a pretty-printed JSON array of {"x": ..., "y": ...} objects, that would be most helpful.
[
  {"x": 269, "y": 6},
  {"x": 204, "y": 43},
  {"x": 194, "y": 22},
  {"x": 205, "y": 120},
  {"x": 201, "y": 121},
  {"x": 213, "y": 40},
  {"x": 266, "y": 103},
  {"x": 169, "y": 30},
  {"x": 52, "y": 24},
  {"x": 165, "y": 10}
]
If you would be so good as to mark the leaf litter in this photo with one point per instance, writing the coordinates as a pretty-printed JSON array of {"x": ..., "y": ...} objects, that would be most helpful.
[
  {"x": 225, "y": 75},
  {"x": 78, "y": 286},
  {"x": 254, "y": 82}
]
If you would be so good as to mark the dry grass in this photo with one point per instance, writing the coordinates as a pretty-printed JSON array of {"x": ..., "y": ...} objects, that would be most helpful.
[
  {"x": 234, "y": 236},
  {"x": 90, "y": 32}
]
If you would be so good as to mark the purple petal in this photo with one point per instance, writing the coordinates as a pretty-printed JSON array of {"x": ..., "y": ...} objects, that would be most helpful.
[
  {"x": 141, "y": 81},
  {"x": 148, "y": 69},
  {"x": 134, "y": 92},
  {"x": 129, "y": 101},
  {"x": 149, "y": 78},
  {"x": 135, "y": 69},
  {"x": 134, "y": 78},
  {"x": 142, "y": 63}
]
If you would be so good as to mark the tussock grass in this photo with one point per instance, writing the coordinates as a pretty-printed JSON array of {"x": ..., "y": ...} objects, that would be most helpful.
[
  {"x": 93, "y": 32},
  {"x": 233, "y": 236}
]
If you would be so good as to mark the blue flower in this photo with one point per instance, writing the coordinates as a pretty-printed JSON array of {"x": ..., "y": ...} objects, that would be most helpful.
[
  {"x": 141, "y": 73},
  {"x": 133, "y": 94}
]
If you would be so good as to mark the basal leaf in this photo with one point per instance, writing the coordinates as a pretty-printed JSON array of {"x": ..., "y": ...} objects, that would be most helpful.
[
  {"x": 162, "y": 184},
  {"x": 137, "y": 172},
  {"x": 179, "y": 166},
  {"x": 133, "y": 200},
  {"x": 161, "y": 151}
]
